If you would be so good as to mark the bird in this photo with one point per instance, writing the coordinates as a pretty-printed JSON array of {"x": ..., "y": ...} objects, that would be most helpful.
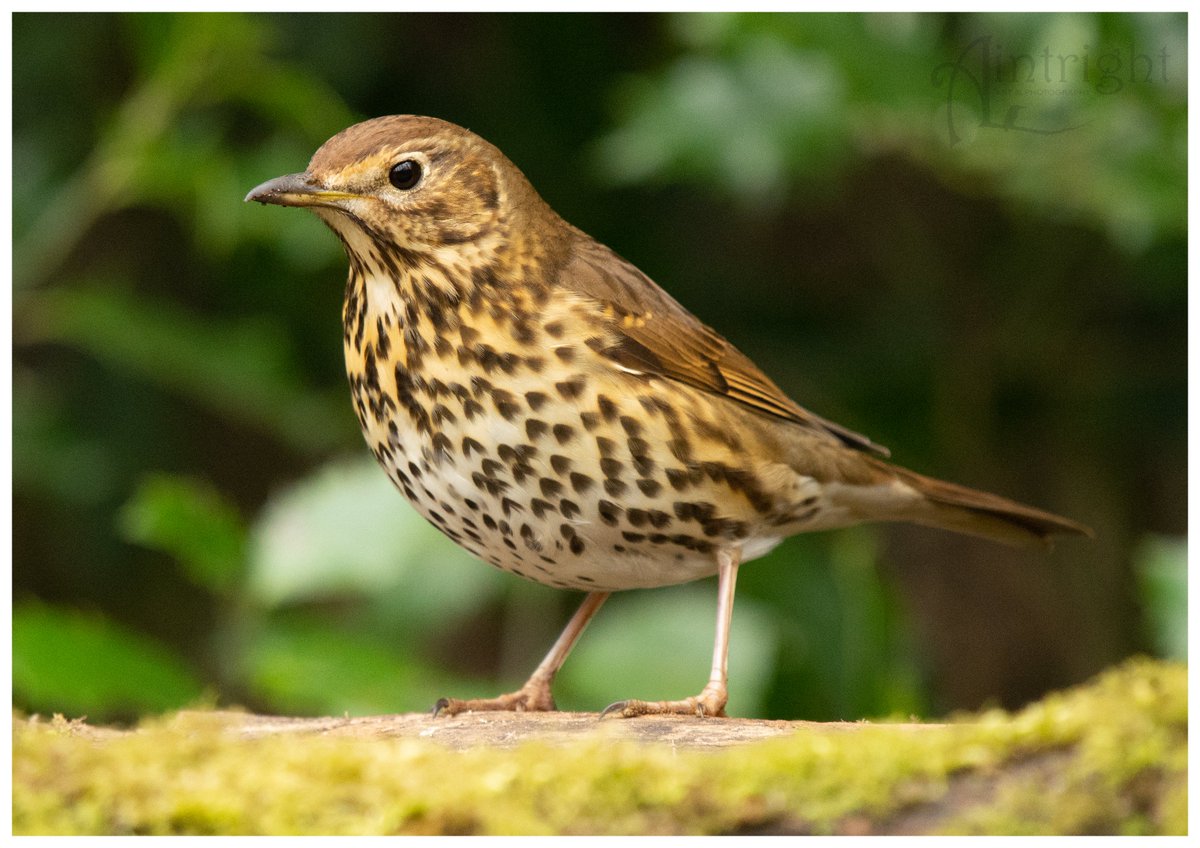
[{"x": 552, "y": 410}]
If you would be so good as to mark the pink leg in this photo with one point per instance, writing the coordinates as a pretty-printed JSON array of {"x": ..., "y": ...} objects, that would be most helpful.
[
  {"x": 713, "y": 697},
  {"x": 535, "y": 694}
]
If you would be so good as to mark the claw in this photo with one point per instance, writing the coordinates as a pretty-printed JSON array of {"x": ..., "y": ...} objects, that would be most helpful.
[
  {"x": 441, "y": 704},
  {"x": 611, "y": 709}
]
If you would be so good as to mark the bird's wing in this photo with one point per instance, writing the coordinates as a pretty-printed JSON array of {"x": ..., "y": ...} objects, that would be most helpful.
[{"x": 652, "y": 333}]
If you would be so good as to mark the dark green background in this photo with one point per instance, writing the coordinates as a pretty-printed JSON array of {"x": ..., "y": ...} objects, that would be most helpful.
[{"x": 194, "y": 517}]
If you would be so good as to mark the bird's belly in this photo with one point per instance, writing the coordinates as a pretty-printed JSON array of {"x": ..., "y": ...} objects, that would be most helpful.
[{"x": 597, "y": 491}]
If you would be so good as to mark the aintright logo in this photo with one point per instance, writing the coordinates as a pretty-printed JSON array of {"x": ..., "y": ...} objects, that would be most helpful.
[{"x": 999, "y": 85}]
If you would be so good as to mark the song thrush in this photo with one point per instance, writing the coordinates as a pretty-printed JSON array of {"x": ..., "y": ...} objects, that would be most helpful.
[{"x": 549, "y": 408}]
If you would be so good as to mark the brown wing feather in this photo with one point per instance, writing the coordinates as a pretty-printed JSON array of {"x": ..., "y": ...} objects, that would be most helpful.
[{"x": 661, "y": 337}]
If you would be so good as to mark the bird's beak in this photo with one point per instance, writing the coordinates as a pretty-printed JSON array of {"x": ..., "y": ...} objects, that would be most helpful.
[{"x": 296, "y": 190}]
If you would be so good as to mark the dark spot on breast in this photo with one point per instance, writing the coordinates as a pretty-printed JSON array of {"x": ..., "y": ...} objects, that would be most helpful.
[
  {"x": 637, "y": 517},
  {"x": 681, "y": 449},
  {"x": 540, "y": 507},
  {"x": 609, "y": 512},
  {"x": 383, "y": 342},
  {"x": 551, "y": 488},
  {"x": 570, "y": 389},
  {"x": 507, "y": 408},
  {"x": 555, "y": 329},
  {"x": 611, "y": 467},
  {"x": 606, "y": 446},
  {"x": 509, "y": 362},
  {"x": 633, "y": 537},
  {"x": 581, "y": 482},
  {"x": 565, "y": 352},
  {"x": 650, "y": 488},
  {"x": 591, "y": 420},
  {"x": 569, "y": 509},
  {"x": 563, "y": 433},
  {"x": 487, "y": 484},
  {"x": 471, "y": 408},
  {"x": 510, "y": 506},
  {"x": 523, "y": 333},
  {"x": 607, "y": 408},
  {"x": 536, "y": 399},
  {"x": 725, "y": 527},
  {"x": 535, "y": 428},
  {"x": 508, "y": 453},
  {"x": 614, "y": 487},
  {"x": 530, "y": 538},
  {"x": 560, "y": 463}
]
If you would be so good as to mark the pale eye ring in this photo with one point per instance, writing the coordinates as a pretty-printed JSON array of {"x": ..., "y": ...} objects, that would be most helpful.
[{"x": 405, "y": 175}]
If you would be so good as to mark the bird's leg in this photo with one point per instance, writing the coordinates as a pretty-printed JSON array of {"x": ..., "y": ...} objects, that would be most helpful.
[
  {"x": 535, "y": 695},
  {"x": 712, "y": 698}
]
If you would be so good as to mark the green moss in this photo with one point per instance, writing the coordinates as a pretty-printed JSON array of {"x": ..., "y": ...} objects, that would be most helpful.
[{"x": 1110, "y": 757}]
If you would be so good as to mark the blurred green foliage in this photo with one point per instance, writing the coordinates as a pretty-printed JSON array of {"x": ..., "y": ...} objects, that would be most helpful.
[
  {"x": 193, "y": 509},
  {"x": 1162, "y": 579},
  {"x": 192, "y": 523},
  {"x": 81, "y": 663}
]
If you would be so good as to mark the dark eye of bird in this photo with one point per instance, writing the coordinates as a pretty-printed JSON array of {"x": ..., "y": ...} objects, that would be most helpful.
[{"x": 404, "y": 175}]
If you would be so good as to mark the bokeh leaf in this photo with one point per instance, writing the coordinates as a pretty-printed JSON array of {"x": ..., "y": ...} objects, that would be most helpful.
[
  {"x": 347, "y": 531},
  {"x": 1161, "y": 565},
  {"x": 756, "y": 103},
  {"x": 191, "y": 521},
  {"x": 243, "y": 368},
  {"x": 80, "y": 663},
  {"x": 305, "y": 665}
]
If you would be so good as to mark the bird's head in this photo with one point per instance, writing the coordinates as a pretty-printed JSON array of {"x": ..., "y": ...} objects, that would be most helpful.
[{"x": 418, "y": 184}]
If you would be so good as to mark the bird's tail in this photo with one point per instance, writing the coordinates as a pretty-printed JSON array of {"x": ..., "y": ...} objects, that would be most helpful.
[{"x": 963, "y": 510}]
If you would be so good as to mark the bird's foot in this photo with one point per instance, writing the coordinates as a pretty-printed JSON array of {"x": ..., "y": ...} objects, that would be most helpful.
[
  {"x": 534, "y": 696},
  {"x": 710, "y": 702}
]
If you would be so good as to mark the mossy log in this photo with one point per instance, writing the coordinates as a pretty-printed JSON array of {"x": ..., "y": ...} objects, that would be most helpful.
[{"x": 1108, "y": 757}]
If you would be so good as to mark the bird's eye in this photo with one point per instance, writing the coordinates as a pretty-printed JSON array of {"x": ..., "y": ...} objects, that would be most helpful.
[{"x": 404, "y": 175}]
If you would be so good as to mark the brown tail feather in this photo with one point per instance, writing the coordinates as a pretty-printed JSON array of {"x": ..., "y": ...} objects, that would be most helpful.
[{"x": 963, "y": 510}]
